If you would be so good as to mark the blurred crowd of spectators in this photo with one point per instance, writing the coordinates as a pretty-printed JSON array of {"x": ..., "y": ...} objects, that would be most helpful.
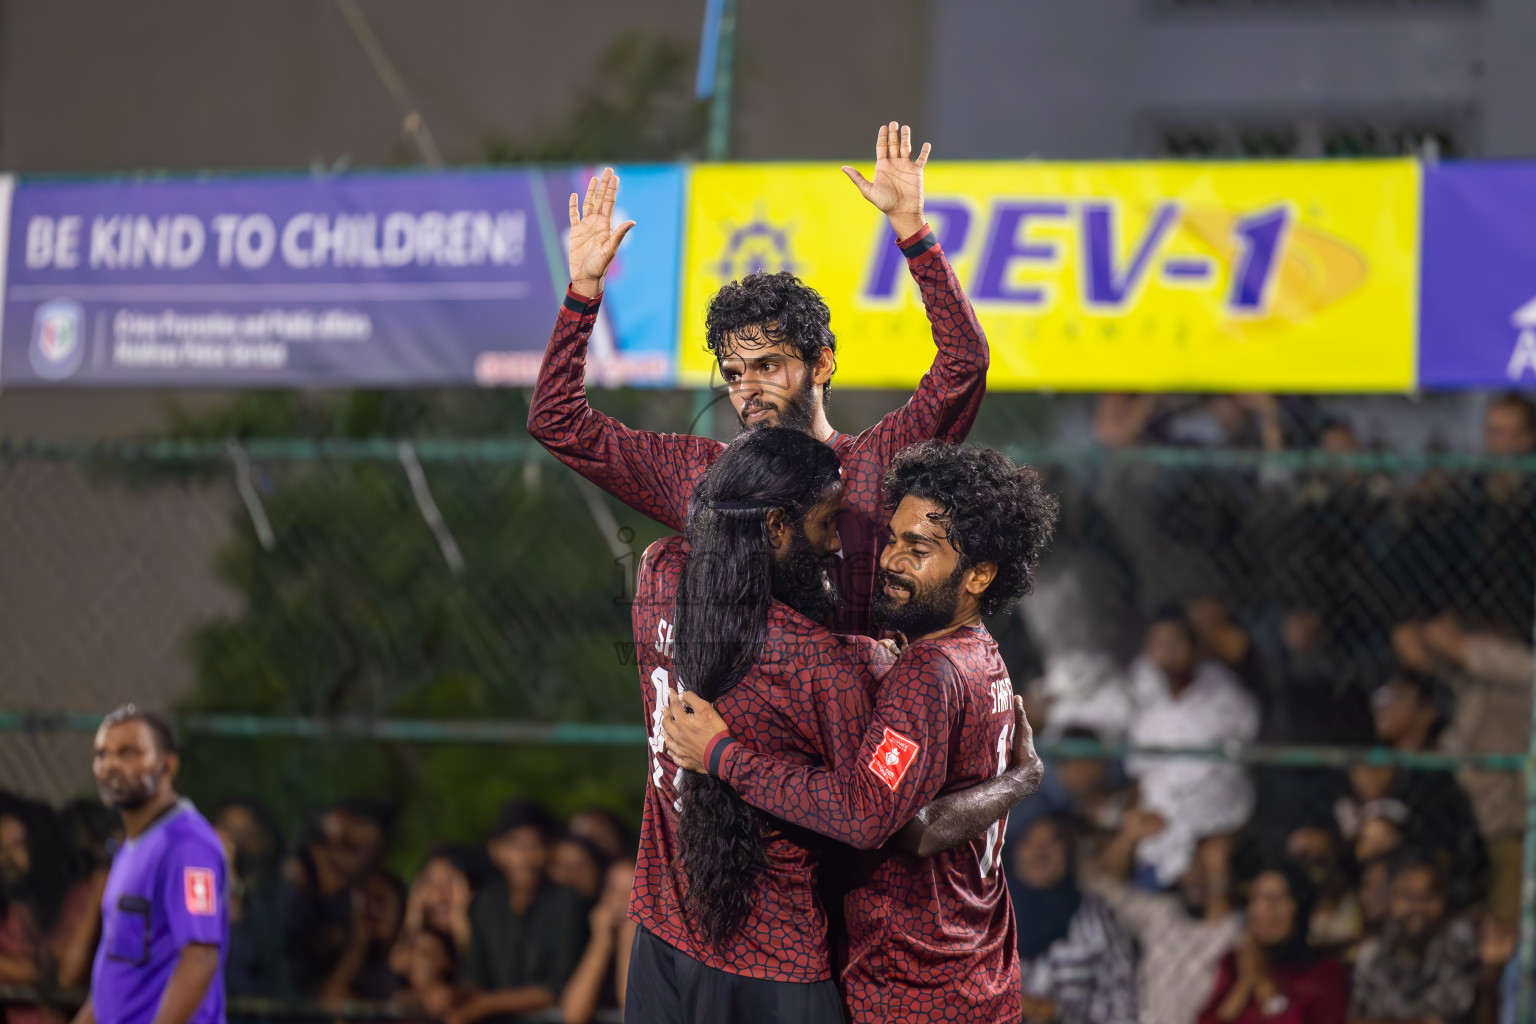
[
  {"x": 1299, "y": 602},
  {"x": 530, "y": 922}
]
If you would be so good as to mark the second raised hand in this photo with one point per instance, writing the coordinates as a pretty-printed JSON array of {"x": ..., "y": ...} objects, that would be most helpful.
[
  {"x": 594, "y": 240},
  {"x": 897, "y": 190}
]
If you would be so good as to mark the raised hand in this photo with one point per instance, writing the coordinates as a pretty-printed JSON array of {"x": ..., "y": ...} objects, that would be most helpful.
[
  {"x": 594, "y": 239},
  {"x": 897, "y": 190}
]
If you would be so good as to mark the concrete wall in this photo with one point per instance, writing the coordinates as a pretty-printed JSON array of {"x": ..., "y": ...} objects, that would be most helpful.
[{"x": 1072, "y": 80}]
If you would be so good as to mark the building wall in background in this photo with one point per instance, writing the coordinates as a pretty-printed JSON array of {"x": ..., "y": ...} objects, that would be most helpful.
[{"x": 1117, "y": 79}]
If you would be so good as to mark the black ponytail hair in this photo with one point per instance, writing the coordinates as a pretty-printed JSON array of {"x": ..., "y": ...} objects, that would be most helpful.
[{"x": 722, "y": 623}]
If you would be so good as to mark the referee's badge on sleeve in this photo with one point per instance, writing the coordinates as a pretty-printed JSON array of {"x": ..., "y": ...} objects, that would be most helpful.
[
  {"x": 201, "y": 897},
  {"x": 893, "y": 757}
]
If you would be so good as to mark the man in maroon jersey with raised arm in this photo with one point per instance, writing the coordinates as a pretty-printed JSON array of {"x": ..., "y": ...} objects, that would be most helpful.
[
  {"x": 771, "y": 337},
  {"x": 730, "y": 924},
  {"x": 930, "y": 939}
]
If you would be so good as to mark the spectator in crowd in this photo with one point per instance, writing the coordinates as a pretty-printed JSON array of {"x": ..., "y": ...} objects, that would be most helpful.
[
  {"x": 1316, "y": 847},
  {"x": 340, "y": 903},
  {"x": 1428, "y": 809},
  {"x": 1490, "y": 673},
  {"x": 1275, "y": 975},
  {"x": 1184, "y": 934},
  {"x": 1503, "y": 563},
  {"x": 1498, "y": 983},
  {"x": 1220, "y": 639},
  {"x": 1425, "y": 964},
  {"x": 1313, "y": 698},
  {"x": 578, "y": 864},
  {"x": 428, "y": 966},
  {"x": 527, "y": 934},
  {"x": 439, "y": 902},
  {"x": 1076, "y": 960},
  {"x": 90, "y": 832},
  {"x": 363, "y": 971},
  {"x": 317, "y": 902},
  {"x": 601, "y": 975},
  {"x": 48, "y": 920},
  {"x": 1375, "y": 894},
  {"x": 253, "y": 847},
  {"x": 1078, "y": 617},
  {"x": 603, "y": 826},
  {"x": 1187, "y": 702},
  {"x": 1093, "y": 791}
]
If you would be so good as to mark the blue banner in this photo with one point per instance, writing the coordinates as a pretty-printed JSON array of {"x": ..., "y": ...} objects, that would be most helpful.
[
  {"x": 1477, "y": 286},
  {"x": 391, "y": 280}
]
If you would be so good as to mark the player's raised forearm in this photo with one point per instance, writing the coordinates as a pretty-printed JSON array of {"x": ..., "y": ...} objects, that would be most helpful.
[{"x": 188, "y": 984}]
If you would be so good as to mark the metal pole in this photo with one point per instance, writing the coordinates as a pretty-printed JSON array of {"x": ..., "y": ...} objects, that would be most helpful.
[
  {"x": 1527, "y": 952},
  {"x": 720, "y": 102}
]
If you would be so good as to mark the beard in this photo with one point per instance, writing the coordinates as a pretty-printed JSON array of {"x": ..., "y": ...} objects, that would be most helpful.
[
  {"x": 796, "y": 411},
  {"x": 924, "y": 611},
  {"x": 803, "y": 580},
  {"x": 131, "y": 799}
]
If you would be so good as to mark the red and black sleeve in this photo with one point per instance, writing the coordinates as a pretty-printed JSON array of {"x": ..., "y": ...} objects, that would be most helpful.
[
  {"x": 652, "y": 473},
  {"x": 898, "y": 766},
  {"x": 946, "y": 400}
]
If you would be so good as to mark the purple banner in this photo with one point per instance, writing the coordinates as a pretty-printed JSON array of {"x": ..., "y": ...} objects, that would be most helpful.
[
  {"x": 1477, "y": 310},
  {"x": 370, "y": 280}
]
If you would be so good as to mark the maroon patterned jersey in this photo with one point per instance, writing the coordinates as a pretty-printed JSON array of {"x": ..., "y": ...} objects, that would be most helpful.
[
  {"x": 929, "y": 939},
  {"x": 655, "y": 473},
  {"x": 811, "y": 692}
]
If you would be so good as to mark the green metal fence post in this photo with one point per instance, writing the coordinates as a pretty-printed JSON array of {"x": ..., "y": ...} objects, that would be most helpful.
[
  {"x": 720, "y": 102},
  {"x": 1527, "y": 952}
]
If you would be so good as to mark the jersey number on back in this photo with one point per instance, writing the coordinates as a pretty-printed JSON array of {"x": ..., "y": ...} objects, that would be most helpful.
[
  {"x": 993, "y": 854},
  {"x": 658, "y": 738}
]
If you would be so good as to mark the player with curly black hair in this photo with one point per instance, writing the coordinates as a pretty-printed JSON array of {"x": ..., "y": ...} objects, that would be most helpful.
[
  {"x": 772, "y": 339},
  {"x": 989, "y": 512},
  {"x": 752, "y": 325},
  {"x": 929, "y": 938}
]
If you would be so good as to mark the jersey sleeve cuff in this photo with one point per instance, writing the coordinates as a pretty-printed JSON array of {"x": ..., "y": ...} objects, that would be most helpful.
[
  {"x": 580, "y": 304},
  {"x": 916, "y": 245},
  {"x": 715, "y": 751}
]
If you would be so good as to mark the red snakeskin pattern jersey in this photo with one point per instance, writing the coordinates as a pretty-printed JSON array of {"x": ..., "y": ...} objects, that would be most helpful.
[
  {"x": 929, "y": 939},
  {"x": 811, "y": 692},
  {"x": 654, "y": 473}
]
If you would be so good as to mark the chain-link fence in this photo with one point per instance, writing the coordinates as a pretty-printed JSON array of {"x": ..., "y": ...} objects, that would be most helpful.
[{"x": 444, "y": 623}]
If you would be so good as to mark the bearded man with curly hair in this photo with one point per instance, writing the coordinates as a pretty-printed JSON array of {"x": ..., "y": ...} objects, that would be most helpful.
[
  {"x": 930, "y": 938},
  {"x": 771, "y": 336}
]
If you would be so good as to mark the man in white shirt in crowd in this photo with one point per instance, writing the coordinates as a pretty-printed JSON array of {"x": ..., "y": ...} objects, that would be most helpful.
[{"x": 1183, "y": 701}]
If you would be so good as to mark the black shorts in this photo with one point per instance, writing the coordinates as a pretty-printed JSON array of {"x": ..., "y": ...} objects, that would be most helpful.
[{"x": 667, "y": 986}]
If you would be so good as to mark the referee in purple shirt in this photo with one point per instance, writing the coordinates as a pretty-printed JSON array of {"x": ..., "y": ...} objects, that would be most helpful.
[{"x": 164, "y": 920}]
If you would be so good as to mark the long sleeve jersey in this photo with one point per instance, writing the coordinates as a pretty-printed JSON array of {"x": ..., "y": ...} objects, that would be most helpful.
[
  {"x": 934, "y": 938},
  {"x": 654, "y": 473},
  {"x": 807, "y": 700}
]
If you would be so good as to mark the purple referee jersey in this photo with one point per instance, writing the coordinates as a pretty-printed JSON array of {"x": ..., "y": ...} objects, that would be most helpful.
[{"x": 165, "y": 891}]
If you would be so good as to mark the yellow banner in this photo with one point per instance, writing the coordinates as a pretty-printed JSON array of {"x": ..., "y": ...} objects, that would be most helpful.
[{"x": 1140, "y": 277}]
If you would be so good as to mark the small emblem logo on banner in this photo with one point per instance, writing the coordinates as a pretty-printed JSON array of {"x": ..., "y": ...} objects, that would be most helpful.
[{"x": 58, "y": 339}]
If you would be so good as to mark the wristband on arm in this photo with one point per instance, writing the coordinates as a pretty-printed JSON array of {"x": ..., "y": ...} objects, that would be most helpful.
[{"x": 714, "y": 752}]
